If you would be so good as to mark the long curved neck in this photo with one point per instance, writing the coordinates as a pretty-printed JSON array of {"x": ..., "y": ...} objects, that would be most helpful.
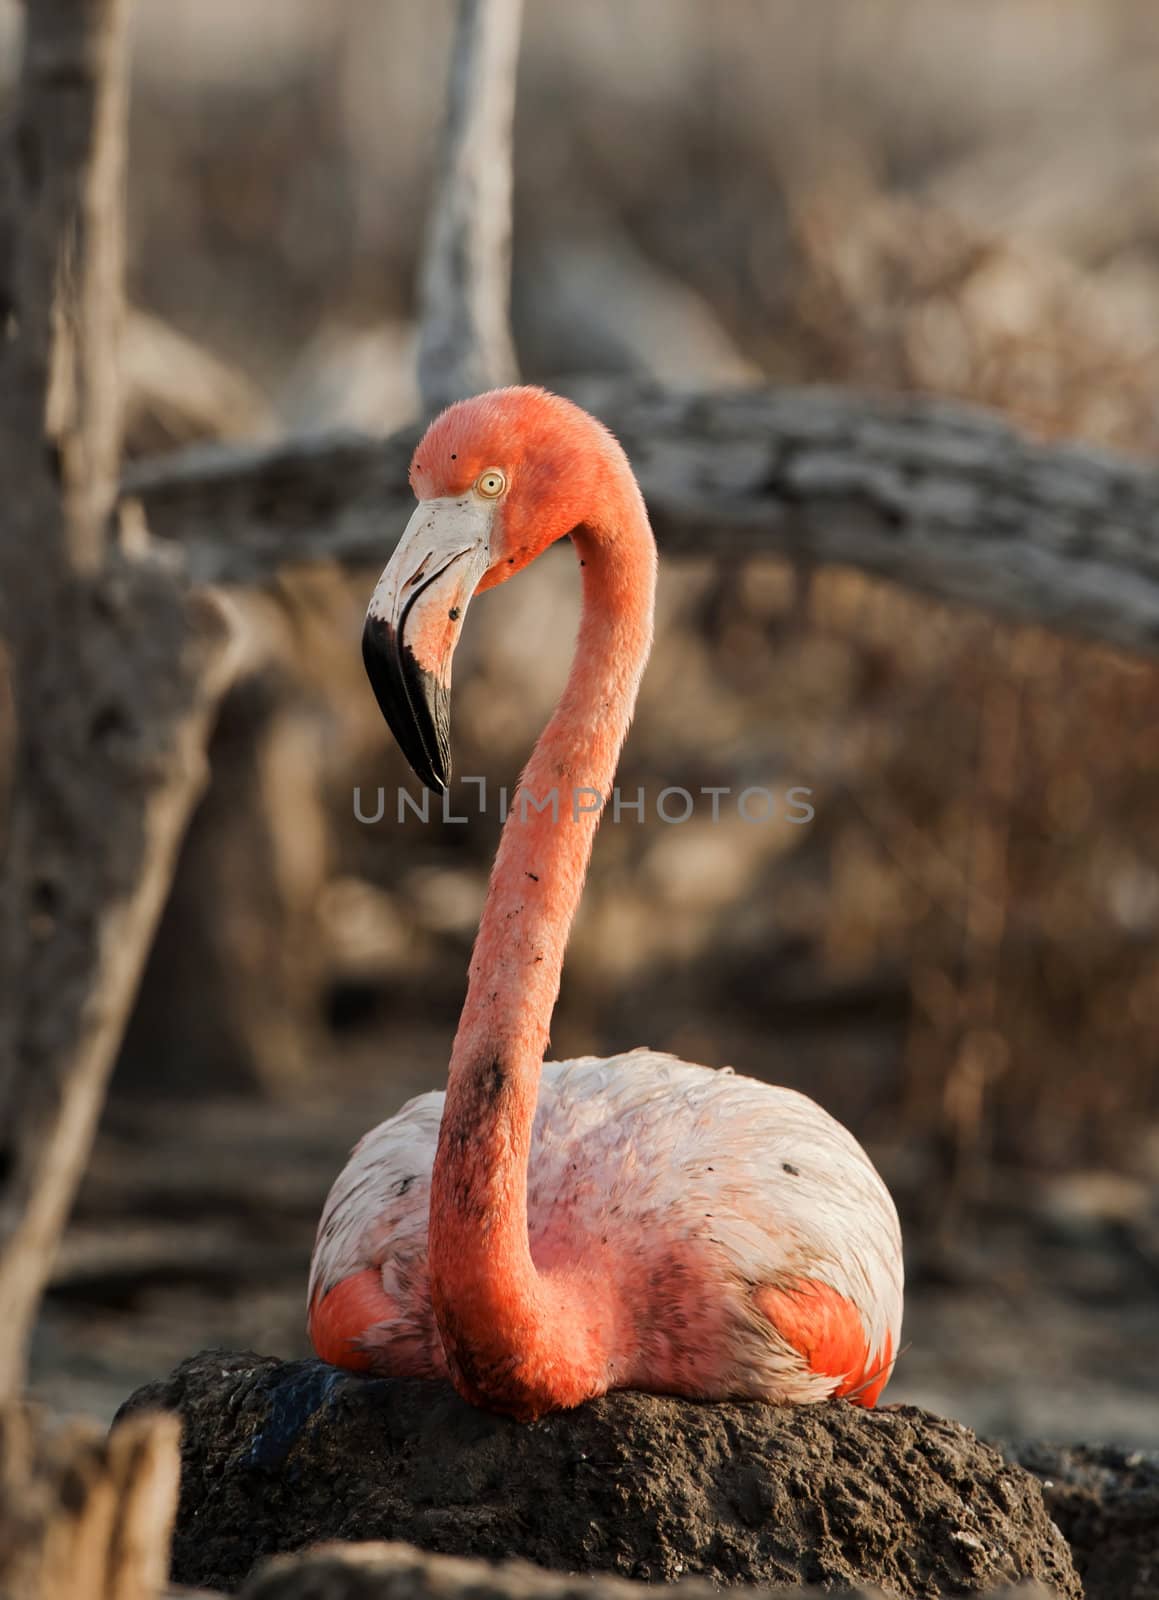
[{"x": 515, "y": 1338}]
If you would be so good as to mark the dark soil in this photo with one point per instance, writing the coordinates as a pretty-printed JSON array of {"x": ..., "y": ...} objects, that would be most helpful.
[
  {"x": 1106, "y": 1502},
  {"x": 277, "y": 1456}
]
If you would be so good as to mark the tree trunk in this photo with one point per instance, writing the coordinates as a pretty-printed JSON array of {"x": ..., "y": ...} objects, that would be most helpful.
[{"x": 114, "y": 664}]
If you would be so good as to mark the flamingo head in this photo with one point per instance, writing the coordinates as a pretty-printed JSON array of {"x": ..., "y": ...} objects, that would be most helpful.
[{"x": 498, "y": 478}]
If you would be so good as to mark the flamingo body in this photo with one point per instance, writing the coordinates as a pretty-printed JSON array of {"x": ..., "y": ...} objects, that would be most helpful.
[
  {"x": 543, "y": 1233},
  {"x": 750, "y": 1247}
]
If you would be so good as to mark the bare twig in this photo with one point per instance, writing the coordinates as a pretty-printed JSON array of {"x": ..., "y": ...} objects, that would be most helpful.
[
  {"x": 942, "y": 498},
  {"x": 465, "y": 333}
]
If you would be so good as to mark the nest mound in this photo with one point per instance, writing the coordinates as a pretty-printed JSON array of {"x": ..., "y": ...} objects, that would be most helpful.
[{"x": 277, "y": 1456}]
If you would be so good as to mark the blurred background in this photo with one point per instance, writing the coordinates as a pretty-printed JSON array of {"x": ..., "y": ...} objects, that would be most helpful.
[{"x": 959, "y": 954}]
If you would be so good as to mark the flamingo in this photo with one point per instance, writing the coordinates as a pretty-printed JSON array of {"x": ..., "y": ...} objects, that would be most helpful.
[{"x": 544, "y": 1232}]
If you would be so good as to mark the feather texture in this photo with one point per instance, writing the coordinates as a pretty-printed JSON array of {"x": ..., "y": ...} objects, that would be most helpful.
[{"x": 638, "y": 1163}]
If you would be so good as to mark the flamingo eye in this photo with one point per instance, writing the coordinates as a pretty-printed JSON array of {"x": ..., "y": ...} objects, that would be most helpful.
[{"x": 490, "y": 484}]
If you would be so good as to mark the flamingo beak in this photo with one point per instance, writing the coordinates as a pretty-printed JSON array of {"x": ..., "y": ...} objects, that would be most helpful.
[{"x": 413, "y": 625}]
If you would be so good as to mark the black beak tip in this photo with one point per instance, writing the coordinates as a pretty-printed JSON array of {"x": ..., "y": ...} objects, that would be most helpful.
[{"x": 413, "y": 702}]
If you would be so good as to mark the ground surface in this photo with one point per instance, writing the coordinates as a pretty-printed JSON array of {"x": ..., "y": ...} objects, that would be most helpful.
[
  {"x": 277, "y": 1456},
  {"x": 1106, "y": 1502}
]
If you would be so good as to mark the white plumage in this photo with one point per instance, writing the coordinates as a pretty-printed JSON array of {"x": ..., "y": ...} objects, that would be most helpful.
[{"x": 639, "y": 1160}]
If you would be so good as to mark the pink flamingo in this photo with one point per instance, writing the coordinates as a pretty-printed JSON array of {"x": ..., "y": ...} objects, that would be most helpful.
[{"x": 546, "y": 1231}]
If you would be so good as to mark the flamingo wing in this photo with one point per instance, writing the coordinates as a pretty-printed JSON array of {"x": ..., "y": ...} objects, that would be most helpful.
[
  {"x": 828, "y": 1332},
  {"x": 772, "y": 1196}
]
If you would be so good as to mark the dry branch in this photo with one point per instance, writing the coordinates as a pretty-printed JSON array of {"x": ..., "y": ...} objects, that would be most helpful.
[
  {"x": 114, "y": 665},
  {"x": 942, "y": 498},
  {"x": 465, "y": 336}
]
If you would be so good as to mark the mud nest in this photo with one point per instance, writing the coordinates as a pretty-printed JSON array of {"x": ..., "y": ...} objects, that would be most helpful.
[{"x": 277, "y": 1456}]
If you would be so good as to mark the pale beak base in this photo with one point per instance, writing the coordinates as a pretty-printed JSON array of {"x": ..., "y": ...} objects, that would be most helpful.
[{"x": 413, "y": 625}]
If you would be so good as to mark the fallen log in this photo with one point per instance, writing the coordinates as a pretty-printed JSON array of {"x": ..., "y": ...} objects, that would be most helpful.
[{"x": 940, "y": 497}]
